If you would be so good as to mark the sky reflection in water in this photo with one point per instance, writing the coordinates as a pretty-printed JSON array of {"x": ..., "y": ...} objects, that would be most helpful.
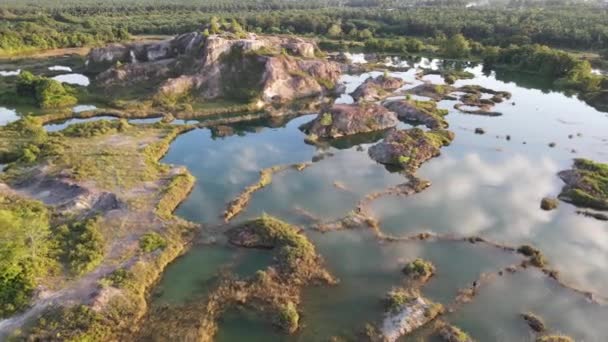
[{"x": 484, "y": 185}]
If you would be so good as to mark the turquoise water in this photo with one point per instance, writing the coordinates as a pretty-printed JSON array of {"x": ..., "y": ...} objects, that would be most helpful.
[{"x": 485, "y": 185}]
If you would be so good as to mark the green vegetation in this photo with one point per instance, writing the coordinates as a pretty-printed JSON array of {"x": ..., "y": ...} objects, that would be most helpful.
[
  {"x": 83, "y": 22},
  {"x": 455, "y": 47},
  {"x": 26, "y": 251},
  {"x": 295, "y": 253},
  {"x": 586, "y": 184},
  {"x": 536, "y": 257},
  {"x": 118, "y": 278},
  {"x": 288, "y": 318},
  {"x": 76, "y": 323},
  {"x": 152, "y": 241},
  {"x": 81, "y": 245},
  {"x": 47, "y": 92},
  {"x": 397, "y": 298},
  {"x": 450, "y": 76},
  {"x": 95, "y": 128},
  {"x": 326, "y": 119},
  {"x": 274, "y": 291},
  {"x": 568, "y": 71},
  {"x": 177, "y": 190},
  {"x": 451, "y": 333},
  {"x": 419, "y": 269}
]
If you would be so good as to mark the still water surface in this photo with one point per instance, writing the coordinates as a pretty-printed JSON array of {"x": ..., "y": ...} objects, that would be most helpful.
[{"x": 484, "y": 185}]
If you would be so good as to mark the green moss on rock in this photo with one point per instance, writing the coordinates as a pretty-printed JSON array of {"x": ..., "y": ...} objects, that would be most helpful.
[
  {"x": 586, "y": 184},
  {"x": 419, "y": 269}
]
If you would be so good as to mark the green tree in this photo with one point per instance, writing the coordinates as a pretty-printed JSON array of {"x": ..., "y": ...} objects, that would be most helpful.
[
  {"x": 334, "y": 31},
  {"x": 456, "y": 47}
]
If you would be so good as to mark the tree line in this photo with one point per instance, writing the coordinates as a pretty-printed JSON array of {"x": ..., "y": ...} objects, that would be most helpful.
[{"x": 76, "y": 23}]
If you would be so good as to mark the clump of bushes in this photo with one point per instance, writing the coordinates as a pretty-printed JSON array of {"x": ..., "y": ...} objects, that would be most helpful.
[
  {"x": 82, "y": 245},
  {"x": 77, "y": 323},
  {"x": 450, "y": 333},
  {"x": 152, "y": 241},
  {"x": 288, "y": 318},
  {"x": 419, "y": 269},
  {"x": 119, "y": 278},
  {"x": 95, "y": 128},
  {"x": 536, "y": 257},
  {"x": 396, "y": 298},
  {"x": 25, "y": 251},
  {"x": 47, "y": 92}
]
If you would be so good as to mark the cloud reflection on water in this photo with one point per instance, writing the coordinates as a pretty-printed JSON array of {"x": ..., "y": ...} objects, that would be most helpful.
[{"x": 499, "y": 199}]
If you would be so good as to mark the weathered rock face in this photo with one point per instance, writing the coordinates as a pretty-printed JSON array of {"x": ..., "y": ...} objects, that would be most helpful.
[
  {"x": 342, "y": 120},
  {"x": 423, "y": 112},
  {"x": 374, "y": 89},
  {"x": 410, "y": 148},
  {"x": 104, "y": 57},
  {"x": 274, "y": 69},
  {"x": 408, "y": 311},
  {"x": 136, "y": 73}
]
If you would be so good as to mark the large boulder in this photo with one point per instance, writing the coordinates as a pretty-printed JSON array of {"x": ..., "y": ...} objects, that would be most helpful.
[
  {"x": 374, "y": 89},
  {"x": 410, "y": 148},
  {"x": 419, "y": 112},
  {"x": 348, "y": 119}
]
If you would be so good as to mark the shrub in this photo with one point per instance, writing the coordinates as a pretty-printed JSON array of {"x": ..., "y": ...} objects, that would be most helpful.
[
  {"x": 419, "y": 268},
  {"x": 82, "y": 245},
  {"x": 326, "y": 119},
  {"x": 25, "y": 251},
  {"x": 288, "y": 318},
  {"x": 152, "y": 241},
  {"x": 48, "y": 93},
  {"x": 118, "y": 278}
]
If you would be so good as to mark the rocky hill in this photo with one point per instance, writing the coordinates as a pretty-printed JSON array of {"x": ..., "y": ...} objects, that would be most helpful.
[{"x": 271, "y": 69}]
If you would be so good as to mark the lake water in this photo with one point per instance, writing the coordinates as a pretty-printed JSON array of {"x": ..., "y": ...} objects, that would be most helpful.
[
  {"x": 485, "y": 185},
  {"x": 6, "y": 73},
  {"x": 73, "y": 78},
  {"x": 8, "y": 115}
]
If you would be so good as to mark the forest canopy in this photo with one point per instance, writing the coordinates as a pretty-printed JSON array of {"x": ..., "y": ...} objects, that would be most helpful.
[{"x": 74, "y": 23}]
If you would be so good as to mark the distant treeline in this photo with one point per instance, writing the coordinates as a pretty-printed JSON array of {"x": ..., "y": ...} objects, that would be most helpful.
[{"x": 72, "y": 23}]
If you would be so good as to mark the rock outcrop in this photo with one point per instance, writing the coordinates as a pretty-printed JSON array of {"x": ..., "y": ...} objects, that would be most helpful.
[
  {"x": 419, "y": 112},
  {"x": 108, "y": 56},
  {"x": 474, "y": 103},
  {"x": 272, "y": 69},
  {"x": 410, "y": 148},
  {"x": 344, "y": 119},
  {"x": 436, "y": 92},
  {"x": 407, "y": 311},
  {"x": 374, "y": 89},
  {"x": 450, "y": 333},
  {"x": 586, "y": 184}
]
